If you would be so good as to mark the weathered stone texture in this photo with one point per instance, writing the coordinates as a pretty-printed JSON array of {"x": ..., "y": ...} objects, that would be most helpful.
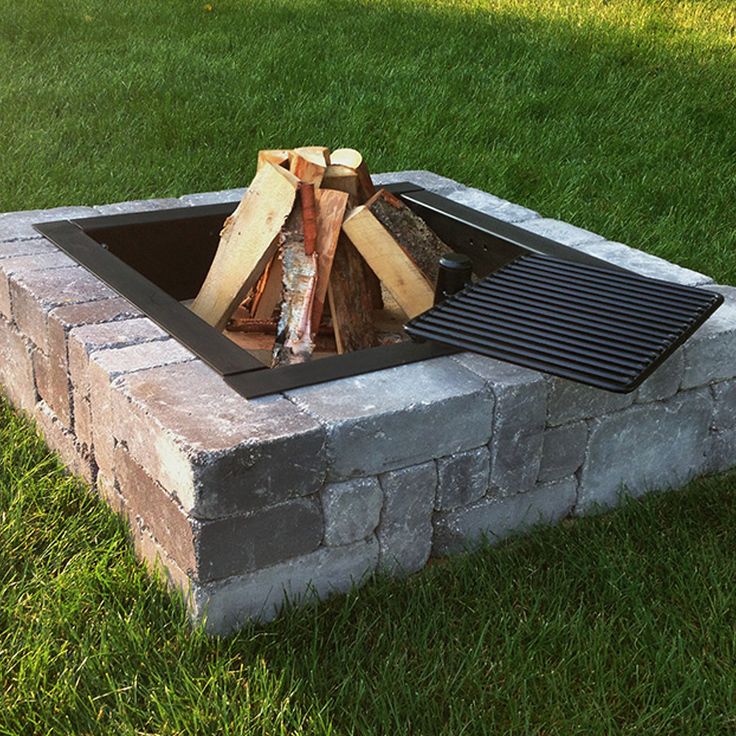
[
  {"x": 561, "y": 232},
  {"x": 563, "y": 451},
  {"x": 397, "y": 417},
  {"x": 724, "y": 395},
  {"x": 520, "y": 410},
  {"x": 139, "y": 205},
  {"x": 462, "y": 478},
  {"x": 405, "y": 531},
  {"x": 499, "y": 208},
  {"x": 709, "y": 353},
  {"x": 643, "y": 263},
  {"x": 645, "y": 448},
  {"x": 16, "y": 367},
  {"x": 26, "y": 263},
  {"x": 493, "y": 519},
  {"x": 425, "y": 179},
  {"x": 260, "y": 595},
  {"x": 664, "y": 382},
  {"x": 38, "y": 246},
  {"x": 19, "y": 225},
  {"x": 222, "y": 454},
  {"x": 570, "y": 401},
  {"x": 351, "y": 510},
  {"x": 34, "y": 294},
  {"x": 62, "y": 441},
  {"x": 225, "y": 195}
]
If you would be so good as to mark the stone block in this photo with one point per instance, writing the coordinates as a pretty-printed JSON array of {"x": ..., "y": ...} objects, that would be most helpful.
[
  {"x": 105, "y": 366},
  {"x": 19, "y": 225},
  {"x": 351, "y": 510},
  {"x": 560, "y": 232},
  {"x": 16, "y": 367},
  {"x": 721, "y": 454},
  {"x": 563, "y": 451},
  {"x": 219, "y": 548},
  {"x": 220, "y": 454},
  {"x": 664, "y": 382},
  {"x": 405, "y": 531},
  {"x": 63, "y": 319},
  {"x": 62, "y": 441},
  {"x": 425, "y": 179},
  {"x": 223, "y": 196},
  {"x": 709, "y": 353},
  {"x": 489, "y": 204},
  {"x": 139, "y": 205},
  {"x": 34, "y": 294},
  {"x": 462, "y": 478},
  {"x": 644, "y": 448},
  {"x": 494, "y": 519},
  {"x": 643, "y": 263},
  {"x": 90, "y": 338},
  {"x": 724, "y": 395},
  {"x": 260, "y": 595},
  {"x": 400, "y": 416},
  {"x": 520, "y": 410},
  {"x": 38, "y": 246},
  {"x": 570, "y": 401},
  {"x": 20, "y": 264},
  {"x": 52, "y": 384}
]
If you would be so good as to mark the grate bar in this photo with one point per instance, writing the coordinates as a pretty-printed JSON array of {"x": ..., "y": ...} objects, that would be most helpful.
[{"x": 605, "y": 329}]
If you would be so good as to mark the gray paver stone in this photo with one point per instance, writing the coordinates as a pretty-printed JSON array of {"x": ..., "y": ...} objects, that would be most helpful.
[
  {"x": 560, "y": 232},
  {"x": 351, "y": 510},
  {"x": 462, "y": 478},
  {"x": 398, "y": 417},
  {"x": 665, "y": 381},
  {"x": 405, "y": 531},
  {"x": 225, "y": 195},
  {"x": 260, "y": 595},
  {"x": 19, "y": 225},
  {"x": 493, "y": 519},
  {"x": 499, "y": 208},
  {"x": 570, "y": 401},
  {"x": 563, "y": 451},
  {"x": 645, "y": 448},
  {"x": 425, "y": 179}
]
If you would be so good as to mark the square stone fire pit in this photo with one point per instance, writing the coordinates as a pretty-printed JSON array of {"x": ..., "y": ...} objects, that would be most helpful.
[{"x": 310, "y": 490}]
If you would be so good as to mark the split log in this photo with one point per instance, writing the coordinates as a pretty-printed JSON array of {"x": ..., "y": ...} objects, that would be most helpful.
[
  {"x": 294, "y": 342},
  {"x": 276, "y": 156},
  {"x": 309, "y": 164},
  {"x": 268, "y": 292},
  {"x": 248, "y": 241},
  {"x": 393, "y": 265},
  {"x": 331, "y": 206},
  {"x": 343, "y": 179},
  {"x": 351, "y": 305},
  {"x": 353, "y": 160},
  {"x": 410, "y": 231},
  {"x": 309, "y": 217}
]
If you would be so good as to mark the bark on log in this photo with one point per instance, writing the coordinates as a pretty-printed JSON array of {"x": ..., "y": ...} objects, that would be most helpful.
[
  {"x": 410, "y": 231},
  {"x": 350, "y": 300}
]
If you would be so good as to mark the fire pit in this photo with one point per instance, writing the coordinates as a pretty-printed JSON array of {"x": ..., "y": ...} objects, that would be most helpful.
[{"x": 246, "y": 482}]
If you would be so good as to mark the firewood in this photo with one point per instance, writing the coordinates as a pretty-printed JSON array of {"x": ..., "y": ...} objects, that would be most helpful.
[
  {"x": 343, "y": 179},
  {"x": 390, "y": 261},
  {"x": 353, "y": 160},
  {"x": 268, "y": 291},
  {"x": 410, "y": 231},
  {"x": 309, "y": 164},
  {"x": 277, "y": 157},
  {"x": 294, "y": 342},
  {"x": 350, "y": 300},
  {"x": 309, "y": 217},
  {"x": 331, "y": 207},
  {"x": 248, "y": 241}
]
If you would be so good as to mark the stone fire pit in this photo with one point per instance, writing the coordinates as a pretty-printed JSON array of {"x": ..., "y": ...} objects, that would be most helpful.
[{"x": 241, "y": 501}]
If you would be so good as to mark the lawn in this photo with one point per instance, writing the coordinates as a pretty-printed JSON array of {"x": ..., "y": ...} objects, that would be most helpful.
[{"x": 616, "y": 115}]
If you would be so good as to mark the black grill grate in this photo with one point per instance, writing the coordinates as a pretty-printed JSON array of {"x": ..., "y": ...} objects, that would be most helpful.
[{"x": 605, "y": 328}]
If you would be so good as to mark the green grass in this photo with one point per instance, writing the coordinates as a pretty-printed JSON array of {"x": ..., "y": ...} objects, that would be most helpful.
[
  {"x": 613, "y": 114},
  {"x": 623, "y": 623}
]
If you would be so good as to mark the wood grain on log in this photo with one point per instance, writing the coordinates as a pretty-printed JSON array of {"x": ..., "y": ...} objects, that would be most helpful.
[
  {"x": 309, "y": 164},
  {"x": 248, "y": 241},
  {"x": 276, "y": 156}
]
